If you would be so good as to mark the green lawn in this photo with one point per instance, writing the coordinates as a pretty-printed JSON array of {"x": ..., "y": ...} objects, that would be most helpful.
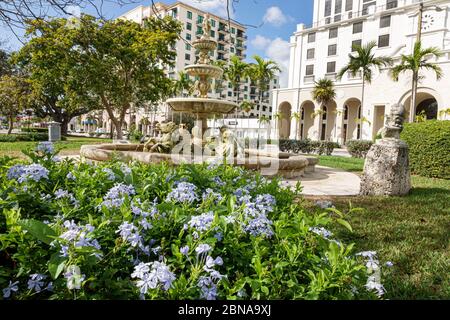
[
  {"x": 412, "y": 231},
  {"x": 70, "y": 147}
]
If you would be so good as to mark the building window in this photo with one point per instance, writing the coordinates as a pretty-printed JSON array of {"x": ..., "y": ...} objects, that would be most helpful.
[
  {"x": 189, "y": 15},
  {"x": 385, "y": 21},
  {"x": 357, "y": 27},
  {"x": 232, "y": 49},
  {"x": 187, "y": 56},
  {"x": 188, "y": 46},
  {"x": 310, "y": 53},
  {"x": 213, "y": 34},
  {"x": 200, "y": 19},
  {"x": 311, "y": 37},
  {"x": 310, "y": 70},
  {"x": 327, "y": 8},
  {"x": 188, "y": 36},
  {"x": 337, "y": 18},
  {"x": 213, "y": 23},
  {"x": 189, "y": 26},
  {"x": 356, "y": 43},
  {"x": 348, "y": 5},
  {"x": 331, "y": 67},
  {"x": 333, "y": 33},
  {"x": 383, "y": 41},
  {"x": 332, "y": 48},
  {"x": 390, "y": 4},
  {"x": 367, "y": 7},
  {"x": 233, "y": 30},
  {"x": 338, "y": 7}
]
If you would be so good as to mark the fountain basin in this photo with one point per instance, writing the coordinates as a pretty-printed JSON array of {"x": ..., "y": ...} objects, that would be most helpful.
[
  {"x": 268, "y": 165},
  {"x": 201, "y": 106}
]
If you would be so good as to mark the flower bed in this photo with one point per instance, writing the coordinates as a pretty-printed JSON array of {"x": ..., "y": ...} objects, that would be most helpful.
[{"x": 129, "y": 231}]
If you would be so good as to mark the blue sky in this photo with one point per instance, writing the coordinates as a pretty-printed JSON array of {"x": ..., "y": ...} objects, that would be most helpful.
[{"x": 274, "y": 22}]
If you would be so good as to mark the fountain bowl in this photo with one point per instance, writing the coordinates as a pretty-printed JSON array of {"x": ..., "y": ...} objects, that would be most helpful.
[
  {"x": 202, "y": 106},
  {"x": 204, "y": 70},
  {"x": 204, "y": 44}
]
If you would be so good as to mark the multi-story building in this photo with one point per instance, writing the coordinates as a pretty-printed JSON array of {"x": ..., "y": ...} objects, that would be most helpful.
[
  {"x": 321, "y": 50},
  {"x": 231, "y": 39}
]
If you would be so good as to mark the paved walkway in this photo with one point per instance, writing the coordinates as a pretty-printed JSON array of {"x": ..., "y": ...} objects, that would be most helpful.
[{"x": 327, "y": 181}]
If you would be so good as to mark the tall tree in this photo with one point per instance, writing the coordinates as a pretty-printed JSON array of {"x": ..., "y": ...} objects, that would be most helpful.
[
  {"x": 323, "y": 93},
  {"x": 15, "y": 97},
  {"x": 262, "y": 72},
  {"x": 364, "y": 61},
  {"x": 415, "y": 62},
  {"x": 235, "y": 72},
  {"x": 183, "y": 84}
]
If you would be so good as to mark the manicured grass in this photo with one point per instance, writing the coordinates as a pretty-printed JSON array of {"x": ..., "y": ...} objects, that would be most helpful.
[
  {"x": 70, "y": 147},
  {"x": 411, "y": 231},
  {"x": 349, "y": 164}
]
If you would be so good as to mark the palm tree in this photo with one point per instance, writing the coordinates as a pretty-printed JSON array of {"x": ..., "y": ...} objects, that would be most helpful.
[
  {"x": 323, "y": 93},
  {"x": 277, "y": 116},
  {"x": 235, "y": 72},
  {"x": 262, "y": 120},
  {"x": 262, "y": 72},
  {"x": 183, "y": 83},
  {"x": 415, "y": 62},
  {"x": 297, "y": 117},
  {"x": 364, "y": 61}
]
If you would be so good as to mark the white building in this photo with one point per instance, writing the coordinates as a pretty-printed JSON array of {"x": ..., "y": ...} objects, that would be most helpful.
[
  {"x": 231, "y": 39},
  {"x": 322, "y": 49}
]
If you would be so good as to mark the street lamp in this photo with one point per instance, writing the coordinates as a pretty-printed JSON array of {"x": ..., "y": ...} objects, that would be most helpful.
[{"x": 415, "y": 78}]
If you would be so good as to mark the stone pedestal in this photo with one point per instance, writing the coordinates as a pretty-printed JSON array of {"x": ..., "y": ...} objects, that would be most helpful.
[
  {"x": 386, "y": 169},
  {"x": 54, "y": 131}
]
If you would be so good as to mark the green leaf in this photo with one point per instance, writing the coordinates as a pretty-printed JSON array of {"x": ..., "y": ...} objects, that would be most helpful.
[
  {"x": 56, "y": 265},
  {"x": 38, "y": 229},
  {"x": 345, "y": 224},
  {"x": 265, "y": 290}
]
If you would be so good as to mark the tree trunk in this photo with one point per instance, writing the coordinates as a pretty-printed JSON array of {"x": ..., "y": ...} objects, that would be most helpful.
[
  {"x": 10, "y": 124},
  {"x": 412, "y": 107},
  {"x": 64, "y": 126},
  {"x": 362, "y": 109}
]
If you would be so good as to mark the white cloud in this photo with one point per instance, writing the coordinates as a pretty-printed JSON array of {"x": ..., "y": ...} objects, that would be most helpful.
[
  {"x": 276, "y": 17},
  {"x": 218, "y": 7},
  {"x": 275, "y": 49}
]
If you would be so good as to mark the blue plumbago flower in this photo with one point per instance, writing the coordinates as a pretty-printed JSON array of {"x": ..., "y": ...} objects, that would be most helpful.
[
  {"x": 151, "y": 275},
  {"x": 259, "y": 226},
  {"x": 210, "y": 262},
  {"x": 145, "y": 224},
  {"x": 240, "y": 192},
  {"x": 45, "y": 147},
  {"x": 229, "y": 219},
  {"x": 389, "y": 264},
  {"x": 34, "y": 172},
  {"x": 61, "y": 194},
  {"x": 202, "y": 222},
  {"x": 218, "y": 181},
  {"x": 202, "y": 248},
  {"x": 324, "y": 204},
  {"x": 210, "y": 194},
  {"x": 184, "y": 250},
  {"x": 12, "y": 287},
  {"x": 184, "y": 192},
  {"x": 367, "y": 254},
  {"x": 321, "y": 231},
  {"x": 109, "y": 174},
  {"x": 241, "y": 293},
  {"x": 125, "y": 169},
  {"x": 115, "y": 197},
  {"x": 218, "y": 236},
  {"x": 265, "y": 202},
  {"x": 74, "y": 278},
  {"x": 195, "y": 235},
  {"x": 129, "y": 232},
  {"x": 35, "y": 282},
  {"x": 208, "y": 289},
  {"x": 70, "y": 176},
  {"x": 372, "y": 264},
  {"x": 78, "y": 236},
  {"x": 373, "y": 284},
  {"x": 15, "y": 172}
]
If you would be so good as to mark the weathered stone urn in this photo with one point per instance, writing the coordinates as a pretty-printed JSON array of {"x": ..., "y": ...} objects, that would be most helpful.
[{"x": 386, "y": 169}]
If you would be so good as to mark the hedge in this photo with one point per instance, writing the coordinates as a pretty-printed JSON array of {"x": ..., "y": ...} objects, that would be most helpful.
[
  {"x": 358, "y": 148},
  {"x": 308, "y": 146},
  {"x": 24, "y": 137},
  {"x": 429, "y": 148},
  {"x": 40, "y": 130}
]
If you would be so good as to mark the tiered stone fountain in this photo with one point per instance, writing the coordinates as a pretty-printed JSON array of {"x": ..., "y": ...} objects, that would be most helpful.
[{"x": 224, "y": 147}]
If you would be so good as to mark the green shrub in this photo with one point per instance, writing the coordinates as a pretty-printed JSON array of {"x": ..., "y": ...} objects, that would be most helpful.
[
  {"x": 41, "y": 130},
  {"x": 308, "y": 146},
  {"x": 358, "y": 148},
  {"x": 429, "y": 148},
  {"x": 33, "y": 136},
  {"x": 210, "y": 231}
]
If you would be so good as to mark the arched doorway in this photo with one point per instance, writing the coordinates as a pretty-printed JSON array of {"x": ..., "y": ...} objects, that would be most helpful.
[
  {"x": 284, "y": 123},
  {"x": 328, "y": 121},
  {"x": 351, "y": 128},
  {"x": 307, "y": 122},
  {"x": 426, "y": 105}
]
